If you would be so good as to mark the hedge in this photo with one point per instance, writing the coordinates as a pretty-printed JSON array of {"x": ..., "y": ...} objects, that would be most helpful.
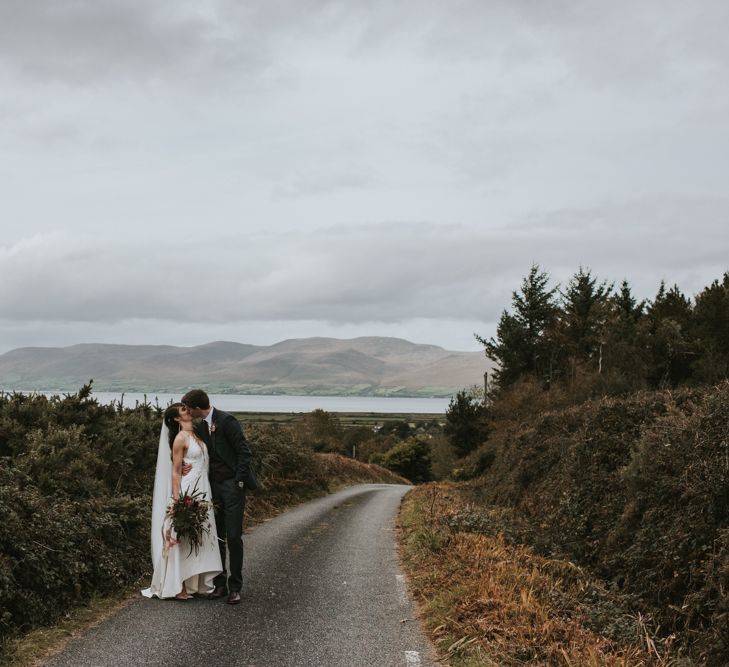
[{"x": 638, "y": 490}]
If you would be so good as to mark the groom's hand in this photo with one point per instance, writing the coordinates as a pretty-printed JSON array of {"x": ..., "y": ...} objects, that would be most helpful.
[{"x": 186, "y": 467}]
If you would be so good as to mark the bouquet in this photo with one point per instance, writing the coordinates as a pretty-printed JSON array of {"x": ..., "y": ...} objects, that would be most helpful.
[{"x": 188, "y": 517}]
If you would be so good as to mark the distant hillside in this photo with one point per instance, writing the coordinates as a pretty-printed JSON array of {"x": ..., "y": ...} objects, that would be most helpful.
[{"x": 327, "y": 366}]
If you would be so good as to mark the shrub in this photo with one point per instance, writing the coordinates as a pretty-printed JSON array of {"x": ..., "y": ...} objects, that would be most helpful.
[
  {"x": 75, "y": 481},
  {"x": 411, "y": 459},
  {"x": 321, "y": 431},
  {"x": 465, "y": 422},
  {"x": 636, "y": 488}
]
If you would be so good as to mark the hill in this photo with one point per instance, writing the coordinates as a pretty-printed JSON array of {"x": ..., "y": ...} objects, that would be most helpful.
[{"x": 327, "y": 366}]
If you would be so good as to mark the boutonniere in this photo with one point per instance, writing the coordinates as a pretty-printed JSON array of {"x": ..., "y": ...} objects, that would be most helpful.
[{"x": 213, "y": 428}]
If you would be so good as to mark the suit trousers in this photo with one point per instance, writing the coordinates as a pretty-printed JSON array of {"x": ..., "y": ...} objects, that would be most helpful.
[{"x": 229, "y": 503}]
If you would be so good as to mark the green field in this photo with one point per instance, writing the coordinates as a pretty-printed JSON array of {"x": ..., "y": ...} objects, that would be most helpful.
[{"x": 345, "y": 418}]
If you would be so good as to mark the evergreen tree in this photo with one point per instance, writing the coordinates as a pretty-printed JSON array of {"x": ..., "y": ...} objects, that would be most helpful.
[
  {"x": 666, "y": 336},
  {"x": 583, "y": 318},
  {"x": 465, "y": 422},
  {"x": 671, "y": 304},
  {"x": 628, "y": 309},
  {"x": 711, "y": 328},
  {"x": 623, "y": 361},
  {"x": 522, "y": 344}
]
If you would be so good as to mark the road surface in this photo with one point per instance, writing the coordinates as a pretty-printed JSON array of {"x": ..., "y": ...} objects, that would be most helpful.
[{"x": 322, "y": 587}]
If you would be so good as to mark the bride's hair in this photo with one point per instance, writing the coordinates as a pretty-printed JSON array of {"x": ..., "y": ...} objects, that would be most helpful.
[{"x": 170, "y": 419}]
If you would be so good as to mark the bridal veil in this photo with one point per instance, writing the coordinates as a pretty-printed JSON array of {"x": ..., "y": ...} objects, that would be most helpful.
[{"x": 162, "y": 490}]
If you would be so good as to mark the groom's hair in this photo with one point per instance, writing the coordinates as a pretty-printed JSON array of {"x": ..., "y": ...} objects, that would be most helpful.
[{"x": 196, "y": 398}]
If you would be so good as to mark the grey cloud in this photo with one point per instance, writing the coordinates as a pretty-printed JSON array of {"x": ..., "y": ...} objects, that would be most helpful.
[
  {"x": 386, "y": 273},
  {"x": 618, "y": 44},
  {"x": 323, "y": 178},
  {"x": 680, "y": 240},
  {"x": 343, "y": 277},
  {"x": 632, "y": 46},
  {"x": 78, "y": 42}
]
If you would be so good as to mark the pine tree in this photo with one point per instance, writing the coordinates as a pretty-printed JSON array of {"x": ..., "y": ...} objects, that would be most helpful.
[
  {"x": 583, "y": 317},
  {"x": 465, "y": 425},
  {"x": 711, "y": 328},
  {"x": 624, "y": 365},
  {"x": 628, "y": 309},
  {"x": 522, "y": 344},
  {"x": 666, "y": 336}
]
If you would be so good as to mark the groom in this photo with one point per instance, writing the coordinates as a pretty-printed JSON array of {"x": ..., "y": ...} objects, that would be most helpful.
[{"x": 231, "y": 473}]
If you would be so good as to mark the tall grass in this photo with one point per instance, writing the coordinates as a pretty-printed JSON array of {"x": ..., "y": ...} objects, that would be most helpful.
[{"x": 486, "y": 601}]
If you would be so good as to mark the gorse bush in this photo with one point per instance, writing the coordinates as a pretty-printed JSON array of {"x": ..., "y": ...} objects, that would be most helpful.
[
  {"x": 636, "y": 488},
  {"x": 75, "y": 481}
]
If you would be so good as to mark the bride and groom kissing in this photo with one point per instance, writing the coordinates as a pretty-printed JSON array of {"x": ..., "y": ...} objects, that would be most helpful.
[{"x": 202, "y": 458}]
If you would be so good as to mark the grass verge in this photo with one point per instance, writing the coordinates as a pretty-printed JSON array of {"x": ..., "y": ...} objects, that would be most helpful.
[
  {"x": 487, "y": 602},
  {"x": 32, "y": 648}
]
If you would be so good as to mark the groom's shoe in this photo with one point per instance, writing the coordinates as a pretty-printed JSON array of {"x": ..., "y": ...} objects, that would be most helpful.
[
  {"x": 218, "y": 593},
  {"x": 233, "y": 598}
]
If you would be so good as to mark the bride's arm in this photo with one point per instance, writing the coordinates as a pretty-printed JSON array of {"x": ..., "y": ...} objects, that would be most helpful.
[{"x": 179, "y": 446}]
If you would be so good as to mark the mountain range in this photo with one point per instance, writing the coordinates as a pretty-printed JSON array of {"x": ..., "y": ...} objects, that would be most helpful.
[{"x": 368, "y": 366}]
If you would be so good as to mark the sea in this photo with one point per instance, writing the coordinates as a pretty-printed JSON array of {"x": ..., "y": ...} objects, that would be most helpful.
[{"x": 291, "y": 404}]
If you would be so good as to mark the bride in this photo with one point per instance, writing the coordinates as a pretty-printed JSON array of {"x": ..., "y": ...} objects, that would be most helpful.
[{"x": 179, "y": 572}]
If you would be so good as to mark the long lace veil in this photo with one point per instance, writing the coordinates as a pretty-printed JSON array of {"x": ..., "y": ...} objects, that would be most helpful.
[{"x": 162, "y": 490}]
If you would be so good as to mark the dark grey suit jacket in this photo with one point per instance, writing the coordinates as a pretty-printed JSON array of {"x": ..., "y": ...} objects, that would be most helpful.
[{"x": 228, "y": 442}]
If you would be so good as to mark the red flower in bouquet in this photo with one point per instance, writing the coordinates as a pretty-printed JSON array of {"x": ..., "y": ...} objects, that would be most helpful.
[{"x": 189, "y": 518}]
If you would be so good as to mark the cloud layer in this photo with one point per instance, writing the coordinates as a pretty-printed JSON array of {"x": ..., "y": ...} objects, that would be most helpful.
[
  {"x": 356, "y": 274},
  {"x": 362, "y": 167}
]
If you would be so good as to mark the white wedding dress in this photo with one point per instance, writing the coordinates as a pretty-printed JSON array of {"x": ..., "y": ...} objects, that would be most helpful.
[{"x": 175, "y": 564}]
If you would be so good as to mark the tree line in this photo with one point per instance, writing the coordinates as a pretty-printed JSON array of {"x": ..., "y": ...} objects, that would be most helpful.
[
  {"x": 558, "y": 347},
  {"x": 601, "y": 335}
]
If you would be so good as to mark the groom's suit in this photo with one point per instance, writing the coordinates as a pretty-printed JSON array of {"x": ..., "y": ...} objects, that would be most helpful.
[
  {"x": 228, "y": 443},
  {"x": 231, "y": 473}
]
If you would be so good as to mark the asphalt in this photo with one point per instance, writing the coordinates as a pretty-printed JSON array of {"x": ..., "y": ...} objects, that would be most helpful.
[{"x": 322, "y": 587}]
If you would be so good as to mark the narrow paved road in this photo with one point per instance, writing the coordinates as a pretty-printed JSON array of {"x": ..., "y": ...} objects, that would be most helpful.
[{"x": 322, "y": 588}]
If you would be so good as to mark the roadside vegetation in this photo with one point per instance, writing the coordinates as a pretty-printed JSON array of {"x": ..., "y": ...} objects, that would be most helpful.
[
  {"x": 75, "y": 496},
  {"x": 413, "y": 448},
  {"x": 489, "y": 601},
  {"x": 598, "y": 462}
]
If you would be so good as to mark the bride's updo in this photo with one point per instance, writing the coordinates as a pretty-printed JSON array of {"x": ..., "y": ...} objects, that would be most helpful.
[{"x": 170, "y": 419}]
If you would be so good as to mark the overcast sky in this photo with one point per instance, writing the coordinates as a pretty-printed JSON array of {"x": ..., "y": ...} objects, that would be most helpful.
[{"x": 181, "y": 172}]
